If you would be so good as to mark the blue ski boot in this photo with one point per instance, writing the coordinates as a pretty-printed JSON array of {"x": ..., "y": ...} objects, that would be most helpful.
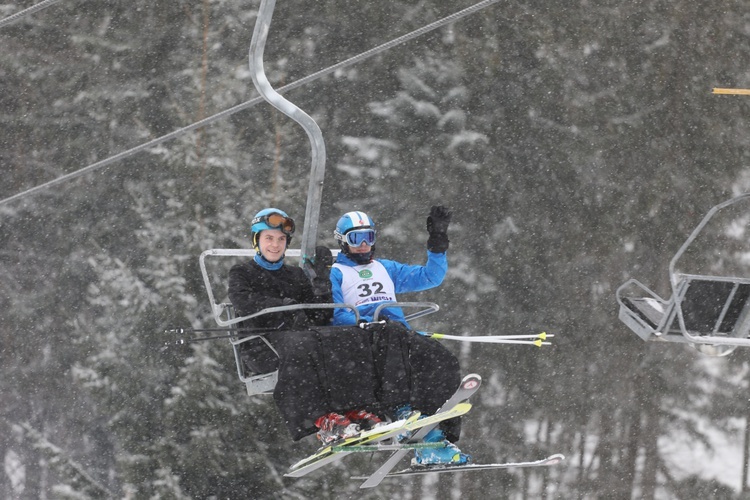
[
  {"x": 449, "y": 455},
  {"x": 403, "y": 412}
]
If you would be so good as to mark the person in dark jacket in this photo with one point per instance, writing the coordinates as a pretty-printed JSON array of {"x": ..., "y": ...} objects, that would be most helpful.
[
  {"x": 267, "y": 281},
  {"x": 318, "y": 388}
]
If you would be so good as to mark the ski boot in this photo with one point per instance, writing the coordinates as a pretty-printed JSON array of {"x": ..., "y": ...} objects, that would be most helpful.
[
  {"x": 449, "y": 455},
  {"x": 334, "y": 427},
  {"x": 364, "y": 419},
  {"x": 403, "y": 412}
]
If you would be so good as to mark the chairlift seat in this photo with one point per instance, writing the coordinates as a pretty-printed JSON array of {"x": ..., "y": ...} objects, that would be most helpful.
[
  {"x": 255, "y": 383},
  {"x": 712, "y": 306},
  {"x": 711, "y": 313},
  {"x": 224, "y": 315},
  {"x": 264, "y": 383}
]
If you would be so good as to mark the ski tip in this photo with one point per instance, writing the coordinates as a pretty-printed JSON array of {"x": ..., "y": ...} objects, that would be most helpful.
[
  {"x": 472, "y": 377},
  {"x": 471, "y": 381},
  {"x": 554, "y": 459}
]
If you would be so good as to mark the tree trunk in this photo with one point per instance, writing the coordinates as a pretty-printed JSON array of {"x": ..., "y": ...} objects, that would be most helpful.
[{"x": 651, "y": 451}]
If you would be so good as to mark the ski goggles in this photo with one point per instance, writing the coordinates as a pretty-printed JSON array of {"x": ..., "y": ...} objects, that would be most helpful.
[
  {"x": 276, "y": 221},
  {"x": 356, "y": 237}
]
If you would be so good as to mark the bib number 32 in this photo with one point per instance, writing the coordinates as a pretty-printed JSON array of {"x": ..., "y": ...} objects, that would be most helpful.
[{"x": 367, "y": 289}]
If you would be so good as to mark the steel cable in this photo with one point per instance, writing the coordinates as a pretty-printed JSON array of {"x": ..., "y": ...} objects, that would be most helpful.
[
  {"x": 34, "y": 8},
  {"x": 252, "y": 102}
]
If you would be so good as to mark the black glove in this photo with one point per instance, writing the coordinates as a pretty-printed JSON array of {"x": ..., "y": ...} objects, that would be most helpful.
[
  {"x": 437, "y": 226},
  {"x": 322, "y": 262},
  {"x": 438, "y": 220},
  {"x": 322, "y": 268}
]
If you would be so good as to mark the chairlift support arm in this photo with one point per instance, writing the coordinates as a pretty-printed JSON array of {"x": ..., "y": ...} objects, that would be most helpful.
[{"x": 317, "y": 172}]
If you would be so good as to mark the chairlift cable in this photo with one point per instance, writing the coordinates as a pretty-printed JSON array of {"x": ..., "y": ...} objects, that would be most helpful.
[
  {"x": 18, "y": 15},
  {"x": 252, "y": 102}
]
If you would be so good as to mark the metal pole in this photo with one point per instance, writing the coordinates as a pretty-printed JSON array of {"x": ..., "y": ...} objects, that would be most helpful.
[
  {"x": 317, "y": 171},
  {"x": 745, "y": 458}
]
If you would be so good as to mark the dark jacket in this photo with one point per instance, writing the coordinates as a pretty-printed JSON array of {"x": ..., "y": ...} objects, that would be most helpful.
[{"x": 252, "y": 288}]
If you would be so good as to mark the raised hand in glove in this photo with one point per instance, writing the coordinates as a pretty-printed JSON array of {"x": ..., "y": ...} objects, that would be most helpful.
[
  {"x": 437, "y": 226},
  {"x": 439, "y": 219},
  {"x": 322, "y": 268},
  {"x": 322, "y": 262}
]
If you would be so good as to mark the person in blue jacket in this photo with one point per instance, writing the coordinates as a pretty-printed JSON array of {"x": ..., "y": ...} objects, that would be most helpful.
[
  {"x": 371, "y": 282},
  {"x": 432, "y": 371}
]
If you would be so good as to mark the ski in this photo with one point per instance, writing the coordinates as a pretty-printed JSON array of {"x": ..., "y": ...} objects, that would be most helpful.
[
  {"x": 337, "y": 451},
  {"x": 387, "y": 447},
  {"x": 360, "y": 438},
  {"x": 469, "y": 385},
  {"x": 436, "y": 469}
]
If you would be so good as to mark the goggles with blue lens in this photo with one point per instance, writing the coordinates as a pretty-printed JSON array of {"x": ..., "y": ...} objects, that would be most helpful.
[{"x": 356, "y": 237}]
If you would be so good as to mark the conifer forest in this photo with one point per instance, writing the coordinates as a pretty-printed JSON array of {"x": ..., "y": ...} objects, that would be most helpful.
[{"x": 578, "y": 144}]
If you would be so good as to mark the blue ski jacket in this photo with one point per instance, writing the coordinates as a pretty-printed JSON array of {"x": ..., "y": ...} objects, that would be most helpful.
[{"x": 406, "y": 278}]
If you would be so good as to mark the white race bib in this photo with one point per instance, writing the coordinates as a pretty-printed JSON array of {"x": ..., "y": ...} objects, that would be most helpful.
[{"x": 368, "y": 284}]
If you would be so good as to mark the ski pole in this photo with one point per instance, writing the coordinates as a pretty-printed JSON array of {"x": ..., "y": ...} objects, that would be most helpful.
[
  {"x": 182, "y": 331},
  {"x": 233, "y": 333},
  {"x": 543, "y": 336},
  {"x": 537, "y": 340},
  {"x": 183, "y": 341}
]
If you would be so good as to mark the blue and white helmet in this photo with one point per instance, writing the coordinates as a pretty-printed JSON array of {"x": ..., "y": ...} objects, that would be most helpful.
[{"x": 352, "y": 230}]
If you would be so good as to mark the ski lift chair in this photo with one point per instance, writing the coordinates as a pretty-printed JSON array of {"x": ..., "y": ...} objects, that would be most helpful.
[
  {"x": 262, "y": 383},
  {"x": 224, "y": 315},
  {"x": 710, "y": 313},
  {"x": 256, "y": 383}
]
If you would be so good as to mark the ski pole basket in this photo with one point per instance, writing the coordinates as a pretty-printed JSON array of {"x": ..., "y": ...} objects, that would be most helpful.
[{"x": 710, "y": 312}]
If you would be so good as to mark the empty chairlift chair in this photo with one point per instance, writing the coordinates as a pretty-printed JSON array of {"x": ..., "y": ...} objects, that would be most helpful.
[{"x": 711, "y": 313}]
